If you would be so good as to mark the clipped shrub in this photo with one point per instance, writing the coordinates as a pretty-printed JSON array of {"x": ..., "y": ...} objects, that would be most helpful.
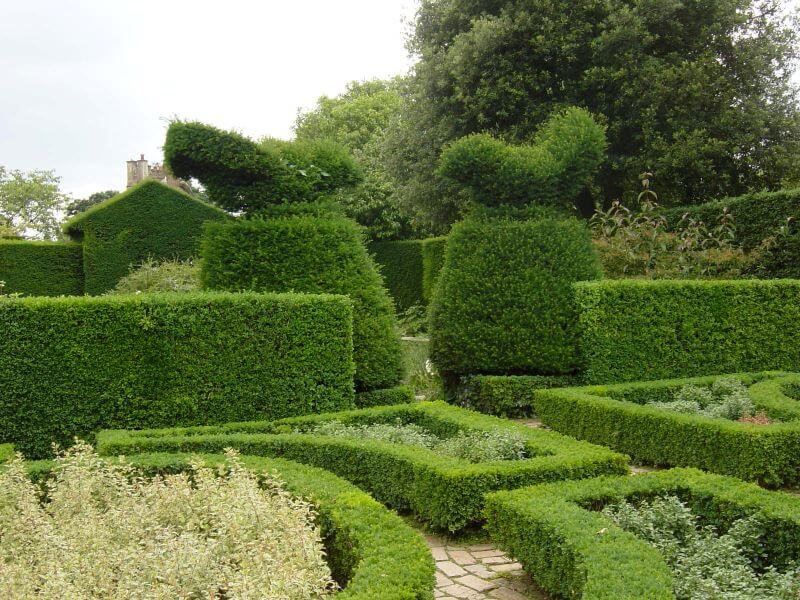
[
  {"x": 634, "y": 330},
  {"x": 446, "y": 492},
  {"x": 313, "y": 255},
  {"x": 630, "y": 418},
  {"x": 574, "y": 551},
  {"x": 149, "y": 221},
  {"x": 242, "y": 175},
  {"x": 508, "y": 395},
  {"x": 72, "y": 366},
  {"x": 400, "y": 264},
  {"x": 504, "y": 301},
  {"x": 6, "y": 452},
  {"x": 433, "y": 250},
  {"x": 400, "y": 394},
  {"x": 371, "y": 551},
  {"x": 563, "y": 157},
  {"x": 164, "y": 276},
  {"x": 41, "y": 268},
  {"x": 781, "y": 259}
]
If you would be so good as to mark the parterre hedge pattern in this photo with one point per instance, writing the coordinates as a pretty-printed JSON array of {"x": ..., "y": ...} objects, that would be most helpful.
[
  {"x": 573, "y": 551},
  {"x": 444, "y": 492},
  {"x": 72, "y": 366},
  {"x": 313, "y": 255},
  {"x": 150, "y": 220},
  {"x": 616, "y": 416},
  {"x": 401, "y": 266},
  {"x": 372, "y": 553},
  {"x": 504, "y": 301},
  {"x": 41, "y": 268},
  {"x": 633, "y": 330}
]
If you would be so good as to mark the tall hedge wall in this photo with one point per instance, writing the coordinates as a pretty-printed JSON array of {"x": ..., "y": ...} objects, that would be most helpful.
[
  {"x": 315, "y": 255},
  {"x": 635, "y": 330},
  {"x": 401, "y": 265},
  {"x": 41, "y": 268},
  {"x": 148, "y": 220},
  {"x": 504, "y": 301},
  {"x": 757, "y": 216},
  {"x": 72, "y": 366},
  {"x": 432, "y": 262}
]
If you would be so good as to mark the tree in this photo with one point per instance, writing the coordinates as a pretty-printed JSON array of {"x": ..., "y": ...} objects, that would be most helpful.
[
  {"x": 30, "y": 204},
  {"x": 359, "y": 119},
  {"x": 84, "y": 204},
  {"x": 698, "y": 93}
]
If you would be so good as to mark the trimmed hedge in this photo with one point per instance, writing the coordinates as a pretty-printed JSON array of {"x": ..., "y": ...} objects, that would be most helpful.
[
  {"x": 634, "y": 330},
  {"x": 41, "y": 268},
  {"x": 315, "y": 255},
  {"x": 72, "y": 366},
  {"x": 150, "y": 220},
  {"x": 6, "y": 451},
  {"x": 372, "y": 553},
  {"x": 446, "y": 492},
  {"x": 510, "y": 395},
  {"x": 617, "y": 416},
  {"x": 573, "y": 551},
  {"x": 433, "y": 250},
  {"x": 504, "y": 300},
  {"x": 757, "y": 216},
  {"x": 401, "y": 394},
  {"x": 401, "y": 266}
]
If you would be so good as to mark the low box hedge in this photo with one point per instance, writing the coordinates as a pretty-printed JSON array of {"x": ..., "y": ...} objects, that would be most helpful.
[
  {"x": 573, "y": 551},
  {"x": 372, "y": 553},
  {"x": 617, "y": 416},
  {"x": 446, "y": 492},
  {"x": 72, "y": 366},
  {"x": 508, "y": 395},
  {"x": 41, "y": 268},
  {"x": 631, "y": 330},
  {"x": 401, "y": 394}
]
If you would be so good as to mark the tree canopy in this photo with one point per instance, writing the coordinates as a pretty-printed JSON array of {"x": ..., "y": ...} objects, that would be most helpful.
[{"x": 30, "y": 204}]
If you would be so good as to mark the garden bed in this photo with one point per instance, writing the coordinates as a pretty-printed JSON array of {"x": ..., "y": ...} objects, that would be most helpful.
[
  {"x": 574, "y": 551},
  {"x": 446, "y": 492},
  {"x": 619, "y": 416}
]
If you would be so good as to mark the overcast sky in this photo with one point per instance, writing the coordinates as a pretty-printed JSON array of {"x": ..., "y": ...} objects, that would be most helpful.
[{"x": 88, "y": 84}]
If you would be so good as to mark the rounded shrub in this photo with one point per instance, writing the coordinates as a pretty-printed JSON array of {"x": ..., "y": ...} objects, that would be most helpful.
[
  {"x": 312, "y": 254},
  {"x": 503, "y": 302}
]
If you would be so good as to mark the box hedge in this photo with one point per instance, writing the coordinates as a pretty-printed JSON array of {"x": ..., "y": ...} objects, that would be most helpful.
[
  {"x": 72, "y": 366},
  {"x": 618, "y": 416},
  {"x": 401, "y": 394},
  {"x": 573, "y": 551},
  {"x": 315, "y": 255},
  {"x": 41, "y": 268},
  {"x": 150, "y": 220},
  {"x": 371, "y": 551},
  {"x": 508, "y": 395},
  {"x": 633, "y": 330},
  {"x": 504, "y": 300},
  {"x": 401, "y": 266},
  {"x": 433, "y": 250},
  {"x": 445, "y": 492}
]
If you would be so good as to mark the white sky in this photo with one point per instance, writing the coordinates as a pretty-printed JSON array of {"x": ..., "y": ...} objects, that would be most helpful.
[{"x": 87, "y": 84}]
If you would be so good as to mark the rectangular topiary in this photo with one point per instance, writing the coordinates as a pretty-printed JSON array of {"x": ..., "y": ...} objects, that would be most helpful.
[
  {"x": 400, "y": 264},
  {"x": 632, "y": 330},
  {"x": 448, "y": 493},
  {"x": 41, "y": 268},
  {"x": 573, "y": 551},
  {"x": 72, "y": 366},
  {"x": 617, "y": 416}
]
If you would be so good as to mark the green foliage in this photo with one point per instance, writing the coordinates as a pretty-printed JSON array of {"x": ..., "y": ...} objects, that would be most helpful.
[
  {"x": 433, "y": 250},
  {"x": 633, "y": 330},
  {"x": 242, "y": 175},
  {"x": 445, "y": 492},
  {"x": 503, "y": 302},
  {"x": 507, "y": 395},
  {"x": 573, "y": 551},
  {"x": 781, "y": 258},
  {"x": 624, "y": 417},
  {"x": 72, "y": 366},
  {"x": 371, "y": 551},
  {"x": 30, "y": 203},
  {"x": 726, "y": 399},
  {"x": 699, "y": 93},
  {"x": 401, "y": 265},
  {"x": 78, "y": 206},
  {"x": 312, "y": 255},
  {"x": 6, "y": 452},
  {"x": 705, "y": 564},
  {"x": 164, "y": 276},
  {"x": 149, "y": 221},
  {"x": 400, "y": 394},
  {"x": 560, "y": 162},
  {"x": 41, "y": 268}
]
